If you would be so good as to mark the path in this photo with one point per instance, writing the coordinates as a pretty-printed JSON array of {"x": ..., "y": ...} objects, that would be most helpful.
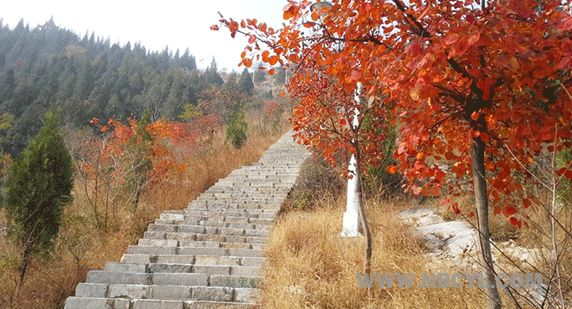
[{"x": 209, "y": 255}]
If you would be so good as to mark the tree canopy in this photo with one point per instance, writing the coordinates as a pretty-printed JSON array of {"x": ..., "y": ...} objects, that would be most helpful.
[{"x": 477, "y": 89}]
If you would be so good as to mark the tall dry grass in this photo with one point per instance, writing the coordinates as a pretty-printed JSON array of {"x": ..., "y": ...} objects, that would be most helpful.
[
  {"x": 81, "y": 246},
  {"x": 309, "y": 266}
]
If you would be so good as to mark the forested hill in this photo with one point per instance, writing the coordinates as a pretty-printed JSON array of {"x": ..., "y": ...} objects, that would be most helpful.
[{"x": 83, "y": 77}]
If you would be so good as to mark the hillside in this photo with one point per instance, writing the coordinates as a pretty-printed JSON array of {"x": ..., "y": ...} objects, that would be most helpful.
[{"x": 83, "y": 77}]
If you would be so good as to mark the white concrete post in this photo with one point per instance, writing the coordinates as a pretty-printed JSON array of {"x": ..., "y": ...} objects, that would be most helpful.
[{"x": 350, "y": 220}]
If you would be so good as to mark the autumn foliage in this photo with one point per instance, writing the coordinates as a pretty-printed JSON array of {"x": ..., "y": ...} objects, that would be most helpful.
[
  {"x": 124, "y": 160},
  {"x": 478, "y": 90},
  {"x": 445, "y": 73},
  {"x": 171, "y": 142}
]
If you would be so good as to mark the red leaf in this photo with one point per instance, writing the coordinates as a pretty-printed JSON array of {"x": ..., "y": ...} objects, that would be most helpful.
[
  {"x": 289, "y": 11},
  {"x": 293, "y": 58},
  {"x": 265, "y": 55},
  {"x": 214, "y": 27},
  {"x": 355, "y": 75},
  {"x": 418, "y": 165},
  {"x": 509, "y": 211},
  {"x": 471, "y": 18},
  {"x": 451, "y": 39},
  {"x": 455, "y": 208},
  {"x": 392, "y": 169},
  {"x": 473, "y": 39},
  {"x": 485, "y": 86},
  {"x": 414, "y": 93},
  {"x": 233, "y": 27},
  {"x": 515, "y": 222}
]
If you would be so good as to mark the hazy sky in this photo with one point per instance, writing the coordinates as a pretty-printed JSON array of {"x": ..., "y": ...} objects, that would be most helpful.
[{"x": 156, "y": 24}]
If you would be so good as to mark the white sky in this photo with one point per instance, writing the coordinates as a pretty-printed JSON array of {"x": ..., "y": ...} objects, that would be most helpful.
[{"x": 156, "y": 24}]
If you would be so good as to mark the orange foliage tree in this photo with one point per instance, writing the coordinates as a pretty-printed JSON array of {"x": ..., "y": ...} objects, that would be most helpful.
[
  {"x": 125, "y": 159},
  {"x": 476, "y": 88}
]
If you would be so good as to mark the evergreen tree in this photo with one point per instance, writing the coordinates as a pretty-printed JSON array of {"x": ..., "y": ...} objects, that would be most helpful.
[
  {"x": 236, "y": 130},
  {"x": 245, "y": 83},
  {"x": 38, "y": 187},
  {"x": 211, "y": 74}
]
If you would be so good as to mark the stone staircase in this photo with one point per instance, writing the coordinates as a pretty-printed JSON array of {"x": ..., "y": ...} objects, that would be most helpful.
[{"x": 209, "y": 255}]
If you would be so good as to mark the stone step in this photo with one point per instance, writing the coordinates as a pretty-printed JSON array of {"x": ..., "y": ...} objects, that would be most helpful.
[
  {"x": 167, "y": 292},
  {"x": 249, "y": 213},
  {"x": 118, "y": 303},
  {"x": 245, "y": 195},
  {"x": 235, "y": 229},
  {"x": 98, "y": 303},
  {"x": 135, "y": 249},
  {"x": 199, "y": 244},
  {"x": 230, "y": 202},
  {"x": 185, "y": 279},
  {"x": 227, "y": 187},
  {"x": 204, "y": 260},
  {"x": 243, "y": 184},
  {"x": 235, "y": 270},
  {"x": 216, "y": 221},
  {"x": 265, "y": 210},
  {"x": 203, "y": 237}
]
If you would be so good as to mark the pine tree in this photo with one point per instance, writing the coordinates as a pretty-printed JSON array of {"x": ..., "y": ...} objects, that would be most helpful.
[
  {"x": 38, "y": 187},
  {"x": 236, "y": 130},
  {"x": 211, "y": 74},
  {"x": 245, "y": 83}
]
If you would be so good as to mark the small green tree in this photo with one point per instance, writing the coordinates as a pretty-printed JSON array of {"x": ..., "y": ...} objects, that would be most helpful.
[
  {"x": 245, "y": 83},
  {"x": 37, "y": 189},
  {"x": 236, "y": 130}
]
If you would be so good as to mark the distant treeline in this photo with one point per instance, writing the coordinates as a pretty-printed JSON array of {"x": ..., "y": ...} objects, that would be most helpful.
[{"x": 48, "y": 67}]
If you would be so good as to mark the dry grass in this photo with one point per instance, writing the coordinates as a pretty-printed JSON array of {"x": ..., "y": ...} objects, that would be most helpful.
[
  {"x": 310, "y": 267},
  {"x": 82, "y": 247}
]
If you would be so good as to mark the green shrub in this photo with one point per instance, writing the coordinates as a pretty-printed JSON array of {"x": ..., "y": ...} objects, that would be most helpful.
[
  {"x": 236, "y": 130},
  {"x": 37, "y": 189}
]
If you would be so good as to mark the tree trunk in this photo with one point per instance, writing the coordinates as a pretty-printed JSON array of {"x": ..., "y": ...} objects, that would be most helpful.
[
  {"x": 22, "y": 272},
  {"x": 481, "y": 200},
  {"x": 363, "y": 220}
]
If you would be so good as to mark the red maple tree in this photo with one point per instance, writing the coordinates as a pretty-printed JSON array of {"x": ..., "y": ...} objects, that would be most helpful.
[{"x": 477, "y": 88}]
